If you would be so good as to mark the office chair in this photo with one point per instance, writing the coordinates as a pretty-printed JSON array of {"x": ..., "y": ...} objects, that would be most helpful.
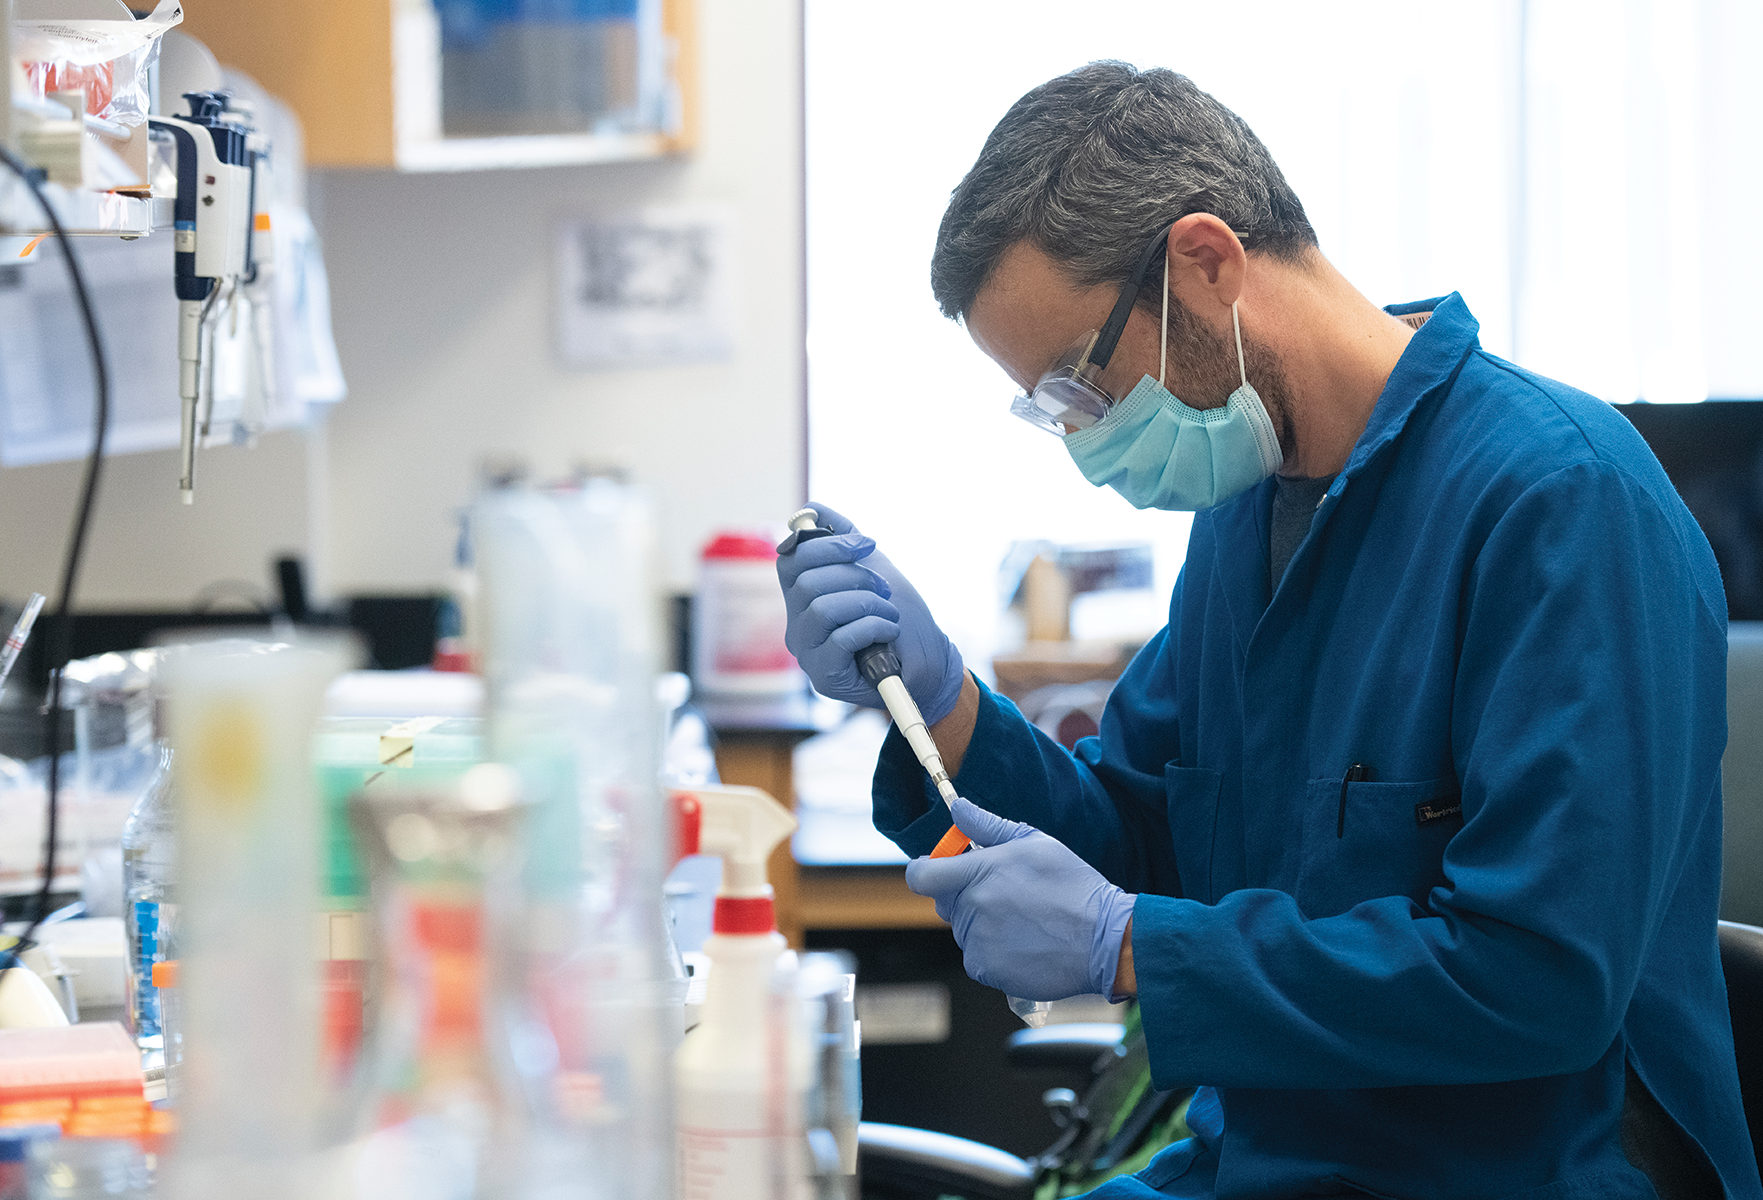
[
  {"x": 1741, "y": 958},
  {"x": 1121, "y": 1121},
  {"x": 1741, "y": 776},
  {"x": 1114, "y": 1128}
]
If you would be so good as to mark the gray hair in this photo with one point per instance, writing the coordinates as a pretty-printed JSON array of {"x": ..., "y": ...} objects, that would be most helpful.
[{"x": 1090, "y": 165}]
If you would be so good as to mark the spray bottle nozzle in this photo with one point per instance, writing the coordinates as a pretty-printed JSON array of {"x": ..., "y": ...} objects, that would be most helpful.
[{"x": 742, "y": 825}]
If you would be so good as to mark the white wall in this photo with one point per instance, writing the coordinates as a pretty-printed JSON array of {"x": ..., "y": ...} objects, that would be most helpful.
[
  {"x": 146, "y": 550},
  {"x": 441, "y": 291},
  {"x": 442, "y": 295}
]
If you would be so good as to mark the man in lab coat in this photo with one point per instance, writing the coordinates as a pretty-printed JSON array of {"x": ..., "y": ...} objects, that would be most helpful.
[{"x": 1405, "y": 831}]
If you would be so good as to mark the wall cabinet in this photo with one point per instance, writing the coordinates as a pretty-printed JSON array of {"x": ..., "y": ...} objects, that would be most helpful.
[{"x": 453, "y": 85}]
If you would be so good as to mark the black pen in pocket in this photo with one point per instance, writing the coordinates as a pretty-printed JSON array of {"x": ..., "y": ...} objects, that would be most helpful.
[{"x": 1357, "y": 773}]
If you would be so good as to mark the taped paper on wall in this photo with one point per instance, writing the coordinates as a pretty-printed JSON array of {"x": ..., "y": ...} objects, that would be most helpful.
[{"x": 651, "y": 287}]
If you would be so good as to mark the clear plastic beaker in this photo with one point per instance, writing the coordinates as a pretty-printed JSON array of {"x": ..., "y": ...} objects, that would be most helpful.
[{"x": 460, "y": 1085}]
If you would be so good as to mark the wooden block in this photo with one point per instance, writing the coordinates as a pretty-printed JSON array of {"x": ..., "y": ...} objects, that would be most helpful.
[
  {"x": 1039, "y": 664},
  {"x": 862, "y": 898}
]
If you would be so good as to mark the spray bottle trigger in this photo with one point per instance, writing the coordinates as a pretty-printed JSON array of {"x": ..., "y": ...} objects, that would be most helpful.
[{"x": 688, "y": 823}]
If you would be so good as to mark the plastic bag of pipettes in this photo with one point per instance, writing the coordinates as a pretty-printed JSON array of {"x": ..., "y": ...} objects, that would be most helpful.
[{"x": 109, "y": 60}]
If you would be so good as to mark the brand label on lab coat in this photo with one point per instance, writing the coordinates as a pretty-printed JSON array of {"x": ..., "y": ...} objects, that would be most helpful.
[{"x": 1437, "y": 810}]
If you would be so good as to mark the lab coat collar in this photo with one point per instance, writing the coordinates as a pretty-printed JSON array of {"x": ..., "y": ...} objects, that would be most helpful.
[
  {"x": 1427, "y": 367},
  {"x": 1429, "y": 364}
]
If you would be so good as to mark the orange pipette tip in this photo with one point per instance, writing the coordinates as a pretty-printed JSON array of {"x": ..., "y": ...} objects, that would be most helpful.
[{"x": 953, "y": 843}]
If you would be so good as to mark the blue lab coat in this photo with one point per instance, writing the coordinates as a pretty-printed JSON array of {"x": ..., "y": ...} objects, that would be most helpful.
[{"x": 1426, "y": 841}]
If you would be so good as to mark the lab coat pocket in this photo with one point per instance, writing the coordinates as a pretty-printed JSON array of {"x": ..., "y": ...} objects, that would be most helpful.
[
  {"x": 1374, "y": 840},
  {"x": 1192, "y": 794}
]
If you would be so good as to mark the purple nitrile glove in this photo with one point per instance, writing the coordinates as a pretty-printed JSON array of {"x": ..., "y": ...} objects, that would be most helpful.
[
  {"x": 843, "y": 595},
  {"x": 1032, "y": 918}
]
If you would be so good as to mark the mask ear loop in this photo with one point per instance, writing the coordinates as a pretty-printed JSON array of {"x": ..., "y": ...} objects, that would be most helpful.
[
  {"x": 1238, "y": 326},
  {"x": 1163, "y": 354}
]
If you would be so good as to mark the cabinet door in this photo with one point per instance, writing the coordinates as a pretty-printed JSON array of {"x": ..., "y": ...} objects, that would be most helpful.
[{"x": 468, "y": 84}]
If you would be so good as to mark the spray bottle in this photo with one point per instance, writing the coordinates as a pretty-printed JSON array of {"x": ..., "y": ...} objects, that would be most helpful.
[{"x": 742, "y": 1075}]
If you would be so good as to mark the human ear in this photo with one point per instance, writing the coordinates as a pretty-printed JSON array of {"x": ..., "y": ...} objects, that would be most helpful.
[{"x": 1206, "y": 262}]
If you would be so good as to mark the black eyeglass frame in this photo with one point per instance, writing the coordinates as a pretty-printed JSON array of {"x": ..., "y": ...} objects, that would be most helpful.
[
  {"x": 1077, "y": 401},
  {"x": 1109, "y": 337}
]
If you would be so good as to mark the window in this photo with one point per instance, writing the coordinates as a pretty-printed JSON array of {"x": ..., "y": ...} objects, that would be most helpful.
[{"x": 1575, "y": 169}]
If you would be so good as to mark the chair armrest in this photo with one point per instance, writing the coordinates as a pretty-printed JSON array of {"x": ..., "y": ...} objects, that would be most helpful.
[
  {"x": 917, "y": 1162},
  {"x": 1741, "y": 960},
  {"x": 1073, "y": 1047}
]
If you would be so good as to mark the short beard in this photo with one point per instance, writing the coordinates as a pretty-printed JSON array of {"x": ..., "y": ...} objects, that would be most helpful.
[{"x": 1207, "y": 367}]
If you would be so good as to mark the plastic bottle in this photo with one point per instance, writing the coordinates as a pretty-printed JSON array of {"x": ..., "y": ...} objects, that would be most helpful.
[
  {"x": 743, "y": 1074},
  {"x": 114, "y": 754},
  {"x": 738, "y": 621},
  {"x": 149, "y": 848}
]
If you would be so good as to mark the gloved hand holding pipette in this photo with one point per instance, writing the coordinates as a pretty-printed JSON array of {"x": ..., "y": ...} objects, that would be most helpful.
[
  {"x": 865, "y": 644},
  {"x": 1032, "y": 918},
  {"x": 844, "y": 595},
  {"x": 837, "y": 605}
]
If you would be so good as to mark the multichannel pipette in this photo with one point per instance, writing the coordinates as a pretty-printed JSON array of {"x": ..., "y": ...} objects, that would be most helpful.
[{"x": 881, "y": 666}]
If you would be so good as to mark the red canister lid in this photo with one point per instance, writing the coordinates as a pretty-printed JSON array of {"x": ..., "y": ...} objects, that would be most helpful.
[{"x": 747, "y": 546}]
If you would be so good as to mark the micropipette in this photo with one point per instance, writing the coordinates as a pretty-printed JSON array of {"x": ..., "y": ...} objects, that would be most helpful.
[
  {"x": 881, "y": 666},
  {"x": 210, "y": 244},
  {"x": 15, "y": 641}
]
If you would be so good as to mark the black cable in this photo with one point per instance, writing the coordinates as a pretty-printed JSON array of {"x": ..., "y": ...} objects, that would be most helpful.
[{"x": 61, "y": 636}]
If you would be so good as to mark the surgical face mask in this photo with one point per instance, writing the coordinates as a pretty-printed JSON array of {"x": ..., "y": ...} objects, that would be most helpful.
[
  {"x": 1149, "y": 446},
  {"x": 1159, "y": 453}
]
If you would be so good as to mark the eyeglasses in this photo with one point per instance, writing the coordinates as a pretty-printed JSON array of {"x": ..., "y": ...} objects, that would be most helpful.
[{"x": 1068, "y": 397}]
